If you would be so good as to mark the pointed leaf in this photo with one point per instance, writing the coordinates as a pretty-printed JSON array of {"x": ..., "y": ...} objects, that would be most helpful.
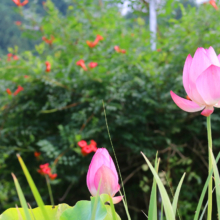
[
  {"x": 21, "y": 198},
  {"x": 166, "y": 201},
  {"x": 33, "y": 188},
  {"x": 176, "y": 196},
  {"x": 152, "y": 212},
  {"x": 196, "y": 217}
]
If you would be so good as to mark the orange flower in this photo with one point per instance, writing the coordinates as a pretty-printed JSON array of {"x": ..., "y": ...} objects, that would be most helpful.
[
  {"x": 9, "y": 56},
  {"x": 82, "y": 143},
  {"x": 26, "y": 76},
  {"x": 48, "y": 66},
  {"x": 46, "y": 170},
  {"x": 87, "y": 149},
  {"x": 213, "y": 3},
  {"x": 82, "y": 64},
  {"x": 48, "y": 41},
  {"x": 18, "y": 23},
  {"x": 8, "y": 91},
  {"x": 37, "y": 154},
  {"x": 119, "y": 50},
  {"x": 98, "y": 38},
  {"x": 53, "y": 176},
  {"x": 18, "y": 3},
  {"x": 15, "y": 57},
  {"x": 93, "y": 65},
  {"x": 93, "y": 44},
  {"x": 19, "y": 89}
]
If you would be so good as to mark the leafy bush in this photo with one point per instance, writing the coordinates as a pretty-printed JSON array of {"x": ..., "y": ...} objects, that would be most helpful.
[{"x": 56, "y": 109}]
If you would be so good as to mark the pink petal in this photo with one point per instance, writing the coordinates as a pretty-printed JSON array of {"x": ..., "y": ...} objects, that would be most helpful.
[
  {"x": 200, "y": 62},
  {"x": 108, "y": 180},
  {"x": 117, "y": 199},
  {"x": 108, "y": 162},
  {"x": 97, "y": 161},
  {"x": 90, "y": 184},
  {"x": 208, "y": 85},
  {"x": 186, "y": 69},
  {"x": 207, "y": 111},
  {"x": 184, "y": 104},
  {"x": 212, "y": 56},
  {"x": 217, "y": 105}
]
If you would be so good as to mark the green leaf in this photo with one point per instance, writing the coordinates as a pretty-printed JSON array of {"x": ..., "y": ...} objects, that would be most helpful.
[
  {"x": 83, "y": 211},
  {"x": 152, "y": 212},
  {"x": 33, "y": 188},
  {"x": 54, "y": 213},
  {"x": 112, "y": 208},
  {"x": 217, "y": 182},
  {"x": 196, "y": 217},
  {"x": 176, "y": 196},
  {"x": 165, "y": 199},
  {"x": 21, "y": 198}
]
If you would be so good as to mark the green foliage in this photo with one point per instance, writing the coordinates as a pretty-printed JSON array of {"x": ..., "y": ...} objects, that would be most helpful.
[
  {"x": 53, "y": 212},
  {"x": 58, "y": 108}
]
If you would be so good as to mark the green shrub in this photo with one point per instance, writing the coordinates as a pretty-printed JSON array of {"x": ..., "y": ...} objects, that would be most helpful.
[{"x": 59, "y": 108}]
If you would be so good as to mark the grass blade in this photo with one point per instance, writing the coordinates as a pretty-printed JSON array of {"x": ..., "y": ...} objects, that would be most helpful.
[
  {"x": 196, "y": 217},
  {"x": 19, "y": 213},
  {"x": 152, "y": 212},
  {"x": 31, "y": 211},
  {"x": 124, "y": 198},
  {"x": 206, "y": 205},
  {"x": 165, "y": 198},
  {"x": 161, "y": 218},
  {"x": 33, "y": 187},
  {"x": 21, "y": 198},
  {"x": 176, "y": 196},
  {"x": 217, "y": 182}
]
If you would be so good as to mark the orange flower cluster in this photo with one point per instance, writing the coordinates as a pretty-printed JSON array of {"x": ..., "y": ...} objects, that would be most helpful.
[
  {"x": 213, "y": 3},
  {"x": 87, "y": 149},
  {"x": 18, "y": 3},
  {"x": 83, "y": 65},
  {"x": 48, "y": 66},
  {"x": 19, "y": 89},
  {"x": 15, "y": 57},
  {"x": 48, "y": 41},
  {"x": 95, "y": 42},
  {"x": 46, "y": 170},
  {"x": 119, "y": 50}
]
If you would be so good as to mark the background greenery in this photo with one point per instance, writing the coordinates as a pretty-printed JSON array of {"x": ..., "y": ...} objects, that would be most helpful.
[{"x": 59, "y": 108}]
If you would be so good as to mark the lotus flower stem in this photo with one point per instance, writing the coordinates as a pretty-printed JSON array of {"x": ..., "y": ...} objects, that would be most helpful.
[
  {"x": 49, "y": 190},
  {"x": 209, "y": 131}
]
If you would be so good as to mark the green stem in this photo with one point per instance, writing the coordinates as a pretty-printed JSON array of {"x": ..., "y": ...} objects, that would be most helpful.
[
  {"x": 209, "y": 131},
  {"x": 49, "y": 190}
]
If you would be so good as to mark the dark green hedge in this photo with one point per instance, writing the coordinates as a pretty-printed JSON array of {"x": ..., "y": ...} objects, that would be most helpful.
[{"x": 57, "y": 109}]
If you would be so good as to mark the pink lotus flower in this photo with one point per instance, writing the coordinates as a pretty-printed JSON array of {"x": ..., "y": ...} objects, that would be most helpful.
[
  {"x": 103, "y": 168},
  {"x": 201, "y": 80}
]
